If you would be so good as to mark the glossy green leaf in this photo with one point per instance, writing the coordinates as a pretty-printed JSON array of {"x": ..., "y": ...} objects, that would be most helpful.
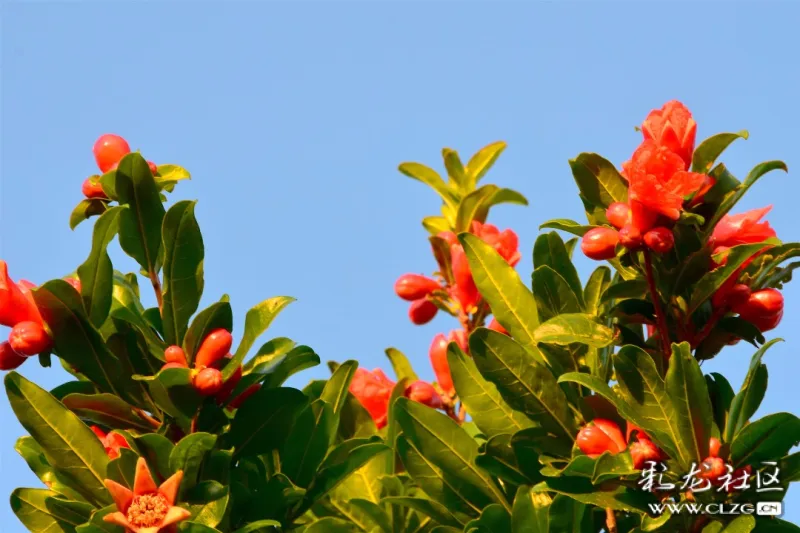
[
  {"x": 401, "y": 365},
  {"x": 581, "y": 489},
  {"x": 483, "y": 159},
  {"x": 526, "y": 385},
  {"x": 748, "y": 399},
  {"x": 330, "y": 524},
  {"x": 123, "y": 468},
  {"x": 217, "y": 315},
  {"x": 438, "y": 512},
  {"x": 440, "y": 486},
  {"x": 455, "y": 168},
  {"x": 269, "y": 351},
  {"x": 281, "y": 369},
  {"x": 156, "y": 449},
  {"x": 550, "y": 250},
  {"x": 34, "y": 456},
  {"x": 143, "y": 213},
  {"x": 75, "y": 340},
  {"x": 256, "y": 322},
  {"x": 598, "y": 180},
  {"x": 260, "y": 422},
  {"x": 632, "y": 288},
  {"x": 377, "y": 515},
  {"x": 570, "y": 516},
  {"x": 257, "y": 525},
  {"x": 173, "y": 391},
  {"x": 207, "y": 501},
  {"x": 449, "y": 447},
  {"x": 44, "y": 511},
  {"x": 469, "y": 207},
  {"x": 753, "y": 176},
  {"x": 707, "y": 152},
  {"x": 335, "y": 391},
  {"x": 168, "y": 175},
  {"x": 686, "y": 388},
  {"x": 188, "y": 455},
  {"x": 498, "y": 457},
  {"x": 721, "y": 395},
  {"x": 513, "y": 305},
  {"x": 107, "y": 410},
  {"x": 69, "y": 444},
  {"x": 307, "y": 442},
  {"x": 429, "y": 177},
  {"x": 484, "y": 403},
  {"x": 766, "y": 439},
  {"x": 554, "y": 296},
  {"x": 713, "y": 280},
  {"x": 569, "y": 226},
  {"x": 574, "y": 327},
  {"x": 493, "y": 519},
  {"x": 86, "y": 209},
  {"x": 183, "y": 270},
  {"x": 530, "y": 512},
  {"x": 96, "y": 273},
  {"x": 595, "y": 287}
]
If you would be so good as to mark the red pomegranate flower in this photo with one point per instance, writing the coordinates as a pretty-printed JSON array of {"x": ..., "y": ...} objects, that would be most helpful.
[
  {"x": 373, "y": 390},
  {"x": 112, "y": 442},
  {"x": 744, "y": 228},
  {"x": 147, "y": 508},
  {"x": 16, "y": 300},
  {"x": 673, "y": 127}
]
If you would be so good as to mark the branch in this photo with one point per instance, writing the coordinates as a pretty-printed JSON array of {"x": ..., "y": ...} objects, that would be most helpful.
[
  {"x": 661, "y": 318},
  {"x": 611, "y": 521}
]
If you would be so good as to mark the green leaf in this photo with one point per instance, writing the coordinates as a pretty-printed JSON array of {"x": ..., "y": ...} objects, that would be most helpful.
[
  {"x": 596, "y": 286},
  {"x": 335, "y": 391},
  {"x": 376, "y": 514},
  {"x": 256, "y": 322},
  {"x": 554, "y": 296},
  {"x": 173, "y": 391},
  {"x": 513, "y": 305},
  {"x": 436, "y": 225},
  {"x": 188, "y": 455},
  {"x": 401, "y": 365},
  {"x": 86, "y": 209},
  {"x": 569, "y": 226},
  {"x": 183, "y": 269},
  {"x": 450, "y": 448},
  {"x": 525, "y": 384},
  {"x": 483, "y": 401},
  {"x": 710, "y": 149},
  {"x": 34, "y": 456},
  {"x": 123, "y": 468},
  {"x": 260, "y": 422},
  {"x": 75, "y": 340},
  {"x": 330, "y": 524},
  {"x": 598, "y": 180},
  {"x": 107, "y": 410},
  {"x": 498, "y": 457},
  {"x": 569, "y": 516},
  {"x": 96, "y": 273},
  {"x": 574, "y": 327},
  {"x": 278, "y": 371},
  {"x": 471, "y": 205},
  {"x": 455, "y": 169},
  {"x": 255, "y": 526},
  {"x": 438, "y": 512},
  {"x": 269, "y": 351},
  {"x": 44, "y": 511},
  {"x": 141, "y": 218},
  {"x": 435, "y": 482},
  {"x": 766, "y": 439},
  {"x": 217, "y": 316},
  {"x": 156, "y": 449},
  {"x": 308, "y": 442},
  {"x": 168, "y": 175},
  {"x": 550, "y": 250},
  {"x": 581, "y": 489},
  {"x": 632, "y": 288},
  {"x": 721, "y": 394},
  {"x": 530, "y": 512},
  {"x": 713, "y": 280},
  {"x": 429, "y": 177},
  {"x": 69, "y": 445},
  {"x": 494, "y": 519},
  {"x": 748, "y": 399},
  {"x": 207, "y": 501},
  {"x": 483, "y": 159},
  {"x": 753, "y": 176}
]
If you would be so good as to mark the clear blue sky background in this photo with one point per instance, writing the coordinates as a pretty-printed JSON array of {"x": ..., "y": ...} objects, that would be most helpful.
[{"x": 293, "y": 117}]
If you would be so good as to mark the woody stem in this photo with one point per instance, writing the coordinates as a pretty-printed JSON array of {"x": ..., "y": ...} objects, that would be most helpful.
[
  {"x": 150, "y": 420},
  {"x": 611, "y": 521},
  {"x": 157, "y": 289},
  {"x": 661, "y": 318}
]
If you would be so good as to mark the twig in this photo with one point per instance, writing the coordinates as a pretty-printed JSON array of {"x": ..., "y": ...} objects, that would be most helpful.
[
  {"x": 661, "y": 318},
  {"x": 150, "y": 420},
  {"x": 157, "y": 288},
  {"x": 462, "y": 413},
  {"x": 611, "y": 521}
]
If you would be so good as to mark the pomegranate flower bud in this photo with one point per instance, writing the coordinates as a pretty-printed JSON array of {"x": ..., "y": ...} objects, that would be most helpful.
[
  {"x": 449, "y": 237},
  {"x": 713, "y": 447},
  {"x": 733, "y": 296},
  {"x": 29, "y": 338},
  {"x": 175, "y": 354},
  {"x": 91, "y": 188},
  {"x": 153, "y": 167},
  {"x": 600, "y": 436},
  {"x": 660, "y": 240},
  {"x": 422, "y": 311},
  {"x": 630, "y": 238},
  {"x": 75, "y": 282},
  {"x": 108, "y": 150},
  {"x": 763, "y": 308},
  {"x": 636, "y": 432},
  {"x": 496, "y": 326},
  {"x": 644, "y": 451},
  {"x": 16, "y": 300},
  {"x": 712, "y": 469},
  {"x": 111, "y": 441},
  {"x": 147, "y": 507},
  {"x": 618, "y": 214},
  {"x": 213, "y": 348},
  {"x": 438, "y": 357},
  {"x": 412, "y": 287},
  {"x": 600, "y": 243},
  {"x": 207, "y": 382},
  {"x": 9, "y": 359},
  {"x": 166, "y": 366},
  {"x": 424, "y": 393},
  {"x": 373, "y": 390}
]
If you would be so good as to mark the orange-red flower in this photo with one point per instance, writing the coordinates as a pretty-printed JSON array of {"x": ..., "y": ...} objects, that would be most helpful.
[
  {"x": 673, "y": 127},
  {"x": 112, "y": 442},
  {"x": 505, "y": 242},
  {"x": 373, "y": 390},
  {"x": 744, "y": 228},
  {"x": 147, "y": 508},
  {"x": 16, "y": 300},
  {"x": 658, "y": 184}
]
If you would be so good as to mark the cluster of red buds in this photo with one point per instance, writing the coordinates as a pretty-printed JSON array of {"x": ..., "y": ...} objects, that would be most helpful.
[
  {"x": 18, "y": 311},
  {"x": 209, "y": 361},
  {"x": 109, "y": 149}
]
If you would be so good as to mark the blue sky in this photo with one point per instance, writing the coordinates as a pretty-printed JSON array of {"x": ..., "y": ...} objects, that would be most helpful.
[{"x": 293, "y": 117}]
